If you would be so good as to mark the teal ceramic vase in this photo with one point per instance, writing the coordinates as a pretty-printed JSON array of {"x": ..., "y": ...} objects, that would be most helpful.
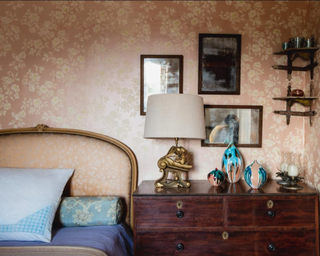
[
  {"x": 232, "y": 164},
  {"x": 255, "y": 176},
  {"x": 216, "y": 177}
]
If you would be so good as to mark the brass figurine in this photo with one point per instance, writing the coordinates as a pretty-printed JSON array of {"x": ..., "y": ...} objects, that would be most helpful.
[{"x": 175, "y": 161}]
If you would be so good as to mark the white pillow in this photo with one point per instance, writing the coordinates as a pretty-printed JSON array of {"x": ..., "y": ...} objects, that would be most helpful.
[{"x": 29, "y": 199}]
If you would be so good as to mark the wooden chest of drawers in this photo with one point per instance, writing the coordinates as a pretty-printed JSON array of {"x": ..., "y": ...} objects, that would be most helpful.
[{"x": 231, "y": 220}]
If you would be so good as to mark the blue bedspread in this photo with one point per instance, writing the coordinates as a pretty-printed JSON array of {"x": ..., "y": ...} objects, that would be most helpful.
[{"x": 113, "y": 240}]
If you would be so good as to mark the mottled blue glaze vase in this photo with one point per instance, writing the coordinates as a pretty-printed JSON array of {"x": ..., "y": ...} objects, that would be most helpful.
[
  {"x": 255, "y": 176},
  {"x": 216, "y": 177},
  {"x": 232, "y": 164}
]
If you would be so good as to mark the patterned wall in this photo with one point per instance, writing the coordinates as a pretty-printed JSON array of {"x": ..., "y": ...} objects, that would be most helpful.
[
  {"x": 312, "y": 134},
  {"x": 76, "y": 64}
]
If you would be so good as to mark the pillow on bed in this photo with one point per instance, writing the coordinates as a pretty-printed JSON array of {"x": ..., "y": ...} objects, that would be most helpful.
[
  {"x": 90, "y": 211},
  {"x": 29, "y": 199}
]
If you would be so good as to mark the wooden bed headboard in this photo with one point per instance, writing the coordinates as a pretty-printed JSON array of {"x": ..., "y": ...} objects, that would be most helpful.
[{"x": 103, "y": 165}]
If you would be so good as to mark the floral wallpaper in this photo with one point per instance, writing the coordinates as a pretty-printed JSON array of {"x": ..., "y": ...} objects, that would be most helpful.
[
  {"x": 312, "y": 134},
  {"x": 76, "y": 64}
]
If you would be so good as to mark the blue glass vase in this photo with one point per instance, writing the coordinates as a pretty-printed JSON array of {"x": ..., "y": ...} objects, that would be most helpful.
[
  {"x": 232, "y": 164},
  {"x": 255, "y": 176}
]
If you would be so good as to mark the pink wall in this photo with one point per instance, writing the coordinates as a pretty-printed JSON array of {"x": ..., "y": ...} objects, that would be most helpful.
[{"x": 77, "y": 64}]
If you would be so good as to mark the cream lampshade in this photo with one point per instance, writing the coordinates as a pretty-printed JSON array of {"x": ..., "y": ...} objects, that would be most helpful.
[{"x": 174, "y": 116}]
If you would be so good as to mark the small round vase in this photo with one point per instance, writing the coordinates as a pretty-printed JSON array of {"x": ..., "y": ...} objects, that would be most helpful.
[
  {"x": 216, "y": 177},
  {"x": 297, "y": 92},
  {"x": 255, "y": 176},
  {"x": 232, "y": 164}
]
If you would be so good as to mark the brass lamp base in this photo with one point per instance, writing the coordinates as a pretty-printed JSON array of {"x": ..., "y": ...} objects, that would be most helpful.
[
  {"x": 177, "y": 182},
  {"x": 175, "y": 162}
]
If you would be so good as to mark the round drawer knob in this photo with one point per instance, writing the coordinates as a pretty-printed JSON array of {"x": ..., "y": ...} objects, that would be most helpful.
[
  {"x": 179, "y": 214},
  {"x": 180, "y": 247},
  {"x": 271, "y": 214},
  {"x": 271, "y": 247}
]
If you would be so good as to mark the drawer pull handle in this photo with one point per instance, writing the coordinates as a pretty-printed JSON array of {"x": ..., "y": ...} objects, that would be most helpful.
[
  {"x": 271, "y": 247},
  {"x": 179, "y": 214},
  {"x": 180, "y": 247},
  {"x": 271, "y": 214},
  {"x": 270, "y": 204},
  {"x": 225, "y": 235}
]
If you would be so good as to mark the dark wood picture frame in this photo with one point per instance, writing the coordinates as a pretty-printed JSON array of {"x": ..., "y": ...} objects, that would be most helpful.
[
  {"x": 159, "y": 74},
  {"x": 219, "y": 64},
  {"x": 240, "y": 124}
]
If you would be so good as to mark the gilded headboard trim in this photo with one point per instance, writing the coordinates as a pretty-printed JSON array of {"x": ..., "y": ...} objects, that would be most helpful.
[{"x": 42, "y": 128}]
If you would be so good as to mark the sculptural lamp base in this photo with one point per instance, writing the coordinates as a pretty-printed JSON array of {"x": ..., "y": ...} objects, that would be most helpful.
[
  {"x": 177, "y": 182},
  {"x": 175, "y": 162}
]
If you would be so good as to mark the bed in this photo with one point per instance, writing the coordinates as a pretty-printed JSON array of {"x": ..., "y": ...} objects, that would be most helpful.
[{"x": 100, "y": 169}]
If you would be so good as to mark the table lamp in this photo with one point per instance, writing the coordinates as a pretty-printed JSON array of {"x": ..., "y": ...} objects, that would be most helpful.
[{"x": 174, "y": 116}]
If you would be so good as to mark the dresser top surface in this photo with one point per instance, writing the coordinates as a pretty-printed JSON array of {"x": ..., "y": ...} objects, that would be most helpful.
[{"x": 203, "y": 187}]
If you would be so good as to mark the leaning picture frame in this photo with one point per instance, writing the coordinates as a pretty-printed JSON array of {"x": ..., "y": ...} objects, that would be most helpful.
[
  {"x": 219, "y": 64},
  {"x": 241, "y": 125},
  {"x": 160, "y": 74}
]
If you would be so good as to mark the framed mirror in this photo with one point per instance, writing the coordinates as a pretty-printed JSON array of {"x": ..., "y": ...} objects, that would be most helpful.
[
  {"x": 160, "y": 74},
  {"x": 240, "y": 124},
  {"x": 219, "y": 64}
]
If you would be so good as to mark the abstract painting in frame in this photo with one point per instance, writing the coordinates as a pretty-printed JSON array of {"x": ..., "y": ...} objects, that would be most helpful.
[
  {"x": 241, "y": 125},
  {"x": 160, "y": 74},
  {"x": 219, "y": 64}
]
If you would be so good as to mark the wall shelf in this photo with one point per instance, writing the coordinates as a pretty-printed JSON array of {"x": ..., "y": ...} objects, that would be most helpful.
[
  {"x": 290, "y": 101},
  {"x": 303, "y": 53},
  {"x": 306, "y": 101},
  {"x": 306, "y": 68}
]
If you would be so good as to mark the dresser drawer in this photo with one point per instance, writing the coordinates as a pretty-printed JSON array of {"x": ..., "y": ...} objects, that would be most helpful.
[
  {"x": 238, "y": 243},
  {"x": 177, "y": 243},
  {"x": 158, "y": 212},
  {"x": 271, "y": 211}
]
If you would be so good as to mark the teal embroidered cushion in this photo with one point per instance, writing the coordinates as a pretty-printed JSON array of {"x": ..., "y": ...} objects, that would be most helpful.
[{"x": 90, "y": 211}]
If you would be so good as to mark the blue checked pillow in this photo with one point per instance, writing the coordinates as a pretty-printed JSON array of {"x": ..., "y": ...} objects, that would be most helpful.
[
  {"x": 29, "y": 199},
  {"x": 90, "y": 211}
]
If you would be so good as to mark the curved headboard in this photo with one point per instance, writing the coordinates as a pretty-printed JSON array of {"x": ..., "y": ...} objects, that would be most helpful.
[{"x": 103, "y": 165}]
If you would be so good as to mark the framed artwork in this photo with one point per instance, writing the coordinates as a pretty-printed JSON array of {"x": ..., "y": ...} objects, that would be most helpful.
[
  {"x": 241, "y": 125},
  {"x": 160, "y": 74},
  {"x": 219, "y": 64}
]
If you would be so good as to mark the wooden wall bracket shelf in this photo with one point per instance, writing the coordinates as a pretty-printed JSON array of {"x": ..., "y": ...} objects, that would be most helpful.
[
  {"x": 290, "y": 101},
  {"x": 306, "y": 68},
  {"x": 292, "y": 54}
]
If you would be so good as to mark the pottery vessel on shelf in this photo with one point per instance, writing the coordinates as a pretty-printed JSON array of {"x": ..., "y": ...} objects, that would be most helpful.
[
  {"x": 232, "y": 163},
  {"x": 297, "y": 92},
  {"x": 216, "y": 177},
  {"x": 255, "y": 175}
]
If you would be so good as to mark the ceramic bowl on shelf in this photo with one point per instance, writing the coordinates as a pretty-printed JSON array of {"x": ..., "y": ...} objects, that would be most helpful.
[{"x": 297, "y": 92}]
